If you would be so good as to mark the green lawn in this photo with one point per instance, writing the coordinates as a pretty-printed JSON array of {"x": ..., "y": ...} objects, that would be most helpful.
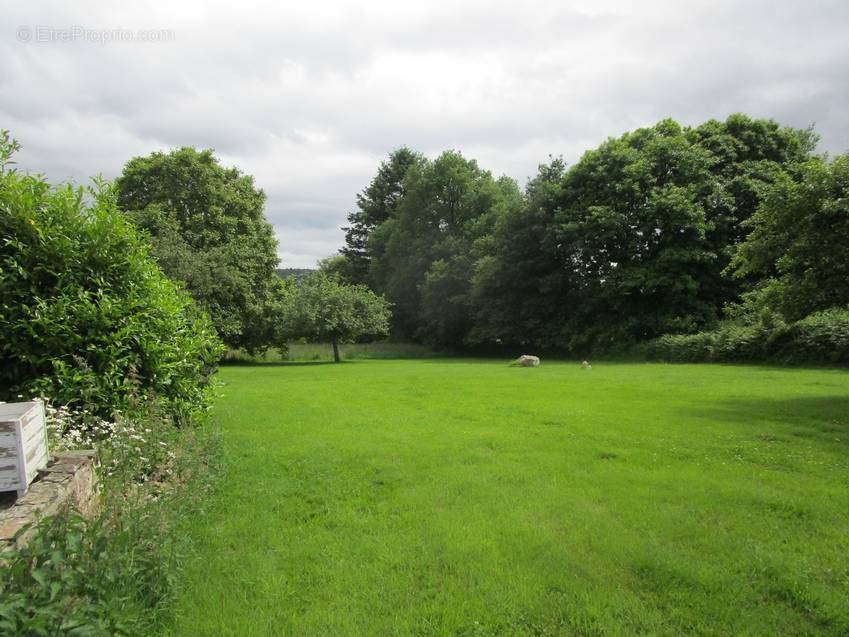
[{"x": 463, "y": 497}]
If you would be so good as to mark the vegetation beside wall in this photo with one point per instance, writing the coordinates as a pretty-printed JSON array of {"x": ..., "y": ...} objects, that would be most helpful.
[{"x": 114, "y": 574}]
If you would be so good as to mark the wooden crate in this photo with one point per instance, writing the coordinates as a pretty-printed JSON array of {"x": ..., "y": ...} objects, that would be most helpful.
[{"x": 23, "y": 444}]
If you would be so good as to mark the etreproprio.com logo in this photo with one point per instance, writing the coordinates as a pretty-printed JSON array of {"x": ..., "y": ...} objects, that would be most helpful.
[{"x": 68, "y": 35}]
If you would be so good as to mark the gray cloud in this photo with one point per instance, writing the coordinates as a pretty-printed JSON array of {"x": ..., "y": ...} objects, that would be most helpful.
[{"x": 310, "y": 98}]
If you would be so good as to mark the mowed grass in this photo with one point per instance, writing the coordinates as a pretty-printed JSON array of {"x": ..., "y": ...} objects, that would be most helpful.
[{"x": 464, "y": 497}]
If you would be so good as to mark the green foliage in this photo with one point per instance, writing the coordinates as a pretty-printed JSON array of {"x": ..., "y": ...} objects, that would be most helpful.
[
  {"x": 78, "y": 578},
  {"x": 799, "y": 242},
  {"x": 822, "y": 337},
  {"x": 209, "y": 231},
  {"x": 726, "y": 344},
  {"x": 319, "y": 307},
  {"x": 114, "y": 574},
  {"x": 8, "y": 147},
  {"x": 338, "y": 265},
  {"x": 442, "y": 226},
  {"x": 377, "y": 204},
  {"x": 87, "y": 316},
  {"x": 799, "y": 249},
  {"x": 633, "y": 240},
  {"x": 518, "y": 298}
]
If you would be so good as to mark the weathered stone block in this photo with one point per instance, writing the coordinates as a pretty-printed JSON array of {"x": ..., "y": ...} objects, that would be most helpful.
[{"x": 69, "y": 482}]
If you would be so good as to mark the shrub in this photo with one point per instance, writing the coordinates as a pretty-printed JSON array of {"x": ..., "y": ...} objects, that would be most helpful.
[
  {"x": 822, "y": 337},
  {"x": 681, "y": 348},
  {"x": 87, "y": 317}
]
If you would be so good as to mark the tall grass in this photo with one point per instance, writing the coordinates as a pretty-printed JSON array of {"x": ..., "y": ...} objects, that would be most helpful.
[
  {"x": 324, "y": 351},
  {"x": 115, "y": 574}
]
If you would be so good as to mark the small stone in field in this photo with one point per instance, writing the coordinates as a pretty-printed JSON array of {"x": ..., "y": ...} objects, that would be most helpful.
[{"x": 526, "y": 360}]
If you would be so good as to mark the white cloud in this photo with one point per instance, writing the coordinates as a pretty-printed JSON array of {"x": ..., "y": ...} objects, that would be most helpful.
[{"x": 310, "y": 97}]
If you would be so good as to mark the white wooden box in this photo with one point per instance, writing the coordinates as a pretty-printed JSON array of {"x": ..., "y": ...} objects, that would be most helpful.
[{"x": 23, "y": 444}]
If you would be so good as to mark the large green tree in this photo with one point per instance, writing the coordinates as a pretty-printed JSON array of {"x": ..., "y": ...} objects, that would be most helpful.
[
  {"x": 321, "y": 308},
  {"x": 634, "y": 240},
  {"x": 443, "y": 225},
  {"x": 376, "y": 204},
  {"x": 518, "y": 297},
  {"x": 209, "y": 231},
  {"x": 748, "y": 155}
]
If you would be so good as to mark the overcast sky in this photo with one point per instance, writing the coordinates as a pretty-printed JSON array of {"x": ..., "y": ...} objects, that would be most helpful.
[{"x": 309, "y": 97}]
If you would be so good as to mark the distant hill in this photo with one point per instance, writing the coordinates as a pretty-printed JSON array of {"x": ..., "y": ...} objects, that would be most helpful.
[{"x": 293, "y": 273}]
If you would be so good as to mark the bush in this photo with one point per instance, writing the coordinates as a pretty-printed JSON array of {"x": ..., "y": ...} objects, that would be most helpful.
[
  {"x": 114, "y": 574},
  {"x": 822, "y": 337},
  {"x": 87, "y": 317}
]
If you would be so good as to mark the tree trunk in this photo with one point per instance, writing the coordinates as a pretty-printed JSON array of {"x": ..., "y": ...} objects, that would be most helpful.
[{"x": 336, "y": 358}]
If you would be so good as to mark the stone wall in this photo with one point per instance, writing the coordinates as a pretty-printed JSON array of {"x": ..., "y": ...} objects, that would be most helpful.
[{"x": 68, "y": 481}]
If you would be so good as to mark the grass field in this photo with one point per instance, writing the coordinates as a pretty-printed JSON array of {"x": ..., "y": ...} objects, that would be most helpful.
[{"x": 462, "y": 497}]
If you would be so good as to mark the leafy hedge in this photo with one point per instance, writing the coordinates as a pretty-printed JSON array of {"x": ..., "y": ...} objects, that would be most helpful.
[
  {"x": 822, "y": 337},
  {"x": 86, "y": 315}
]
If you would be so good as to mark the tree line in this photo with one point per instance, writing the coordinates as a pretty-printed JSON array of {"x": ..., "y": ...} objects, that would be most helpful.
[
  {"x": 732, "y": 231},
  {"x": 668, "y": 229}
]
